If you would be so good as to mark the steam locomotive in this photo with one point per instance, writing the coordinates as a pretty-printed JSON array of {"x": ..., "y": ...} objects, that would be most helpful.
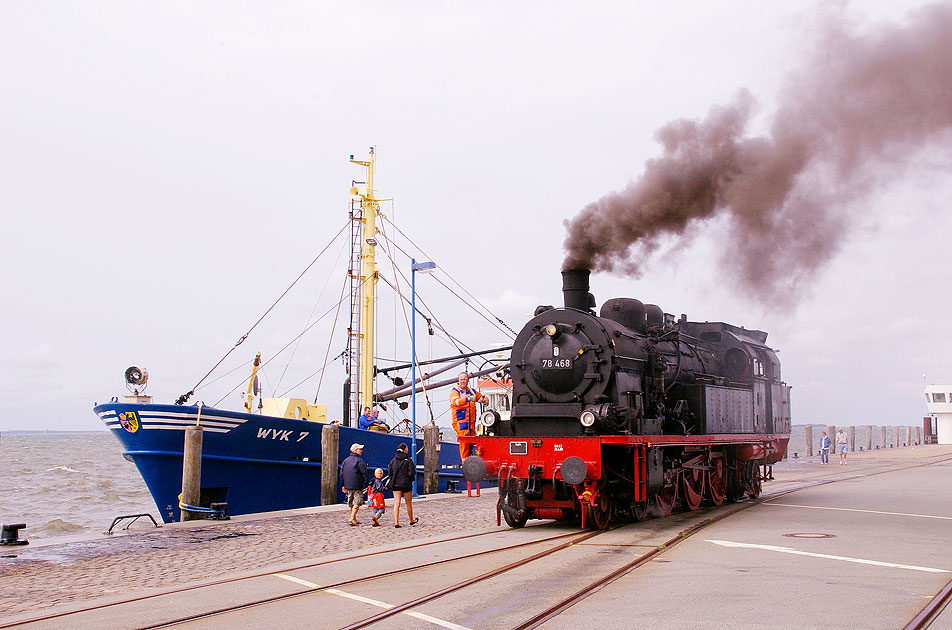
[{"x": 630, "y": 414}]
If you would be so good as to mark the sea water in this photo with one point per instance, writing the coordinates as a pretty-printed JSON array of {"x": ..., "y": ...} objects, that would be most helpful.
[{"x": 68, "y": 483}]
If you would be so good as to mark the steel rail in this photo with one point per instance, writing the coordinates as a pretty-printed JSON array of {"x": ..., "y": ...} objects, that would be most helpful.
[
  {"x": 366, "y": 578},
  {"x": 932, "y": 610},
  {"x": 182, "y": 589},
  {"x": 927, "y": 613},
  {"x": 602, "y": 582},
  {"x": 644, "y": 558},
  {"x": 455, "y": 587}
]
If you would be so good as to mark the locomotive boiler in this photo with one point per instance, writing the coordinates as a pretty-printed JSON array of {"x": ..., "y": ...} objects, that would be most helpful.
[{"x": 630, "y": 413}]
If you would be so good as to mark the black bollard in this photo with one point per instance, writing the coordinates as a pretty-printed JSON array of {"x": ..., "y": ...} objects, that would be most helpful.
[{"x": 10, "y": 535}]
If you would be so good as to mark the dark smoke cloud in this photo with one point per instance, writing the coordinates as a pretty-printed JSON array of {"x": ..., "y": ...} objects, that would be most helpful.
[{"x": 863, "y": 100}]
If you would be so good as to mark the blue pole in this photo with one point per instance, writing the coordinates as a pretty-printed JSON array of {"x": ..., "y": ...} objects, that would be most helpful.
[{"x": 413, "y": 369}]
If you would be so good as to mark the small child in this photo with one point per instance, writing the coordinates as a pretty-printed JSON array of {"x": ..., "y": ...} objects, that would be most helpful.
[{"x": 375, "y": 496}]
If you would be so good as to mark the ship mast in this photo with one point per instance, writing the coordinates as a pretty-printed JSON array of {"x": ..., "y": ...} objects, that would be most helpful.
[{"x": 362, "y": 390}]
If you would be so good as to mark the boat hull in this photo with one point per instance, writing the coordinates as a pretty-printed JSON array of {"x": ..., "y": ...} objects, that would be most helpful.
[{"x": 253, "y": 463}]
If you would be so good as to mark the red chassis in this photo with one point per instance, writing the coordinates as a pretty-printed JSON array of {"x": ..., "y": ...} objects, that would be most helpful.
[{"x": 542, "y": 458}]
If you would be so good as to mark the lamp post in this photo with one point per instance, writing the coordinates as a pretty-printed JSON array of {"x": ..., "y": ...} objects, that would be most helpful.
[{"x": 422, "y": 267}]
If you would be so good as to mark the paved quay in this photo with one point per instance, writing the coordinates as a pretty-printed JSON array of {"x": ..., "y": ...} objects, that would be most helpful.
[
  {"x": 70, "y": 573},
  {"x": 47, "y": 574}
]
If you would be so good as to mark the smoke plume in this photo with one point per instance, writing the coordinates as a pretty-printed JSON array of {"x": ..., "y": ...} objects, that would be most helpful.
[{"x": 863, "y": 100}]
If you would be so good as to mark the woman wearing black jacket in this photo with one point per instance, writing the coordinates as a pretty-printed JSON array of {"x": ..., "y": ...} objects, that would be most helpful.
[{"x": 401, "y": 482}]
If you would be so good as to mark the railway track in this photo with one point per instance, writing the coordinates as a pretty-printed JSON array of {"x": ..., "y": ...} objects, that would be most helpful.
[
  {"x": 932, "y": 610},
  {"x": 560, "y": 542},
  {"x": 575, "y": 538},
  {"x": 234, "y": 580}
]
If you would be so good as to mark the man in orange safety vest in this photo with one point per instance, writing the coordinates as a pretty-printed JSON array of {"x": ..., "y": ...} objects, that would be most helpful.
[{"x": 463, "y": 407}]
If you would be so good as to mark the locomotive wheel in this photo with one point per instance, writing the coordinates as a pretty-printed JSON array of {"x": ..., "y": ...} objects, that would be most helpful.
[
  {"x": 640, "y": 511},
  {"x": 513, "y": 522},
  {"x": 692, "y": 480},
  {"x": 717, "y": 481},
  {"x": 735, "y": 484},
  {"x": 664, "y": 501},
  {"x": 600, "y": 515},
  {"x": 753, "y": 480},
  {"x": 509, "y": 496}
]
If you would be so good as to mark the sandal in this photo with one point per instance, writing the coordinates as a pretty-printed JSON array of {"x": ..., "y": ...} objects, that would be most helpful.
[
  {"x": 415, "y": 521},
  {"x": 397, "y": 525}
]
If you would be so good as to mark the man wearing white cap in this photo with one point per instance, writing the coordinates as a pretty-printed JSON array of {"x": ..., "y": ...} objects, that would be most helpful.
[{"x": 353, "y": 474}]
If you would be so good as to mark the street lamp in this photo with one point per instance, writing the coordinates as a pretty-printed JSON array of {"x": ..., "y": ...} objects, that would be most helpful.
[{"x": 422, "y": 267}]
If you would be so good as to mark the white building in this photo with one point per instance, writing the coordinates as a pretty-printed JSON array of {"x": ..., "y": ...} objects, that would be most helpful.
[{"x": 939, "y": 403}]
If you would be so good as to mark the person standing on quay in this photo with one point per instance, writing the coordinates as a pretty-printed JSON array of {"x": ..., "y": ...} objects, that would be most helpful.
[
  {"x": 401, "y": 482},
  {"x": 353, "y": 473},
  {"x": 842, "y": 443},
  {"x": 825, "y": 444},
  {"x": 463, "y": 407}
]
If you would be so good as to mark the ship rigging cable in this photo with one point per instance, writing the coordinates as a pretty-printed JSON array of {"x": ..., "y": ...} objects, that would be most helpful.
[
  {"x": 320, "y": 381},
  {"x": 286, "y": 346},
  {"x": 310, "y": 315},
  {"x": 409, "y": 240},
  {"x": 184, "y": 397},
  {"x": 396, "y": 287},
  {"x": 457, "y": 296}
]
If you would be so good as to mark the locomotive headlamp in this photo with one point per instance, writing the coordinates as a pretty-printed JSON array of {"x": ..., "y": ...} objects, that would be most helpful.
[
  {"x": 488, "y": 418},
  {"x": 587, "y": 418},
  {"x": 551, "y": 330}
]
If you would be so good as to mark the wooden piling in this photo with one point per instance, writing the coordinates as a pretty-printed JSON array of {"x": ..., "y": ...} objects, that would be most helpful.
[
  {"x": 882, "y": 439},
  {"x": 852, "y": 439},
  {"x": 896, "y": 436},
  {"x": 908, "y": 436},
  {"x": 431, "y": 459},
  {"x": 330, "y": 439},
  {"x": 808, "y": 432},
  {"x": 192, "y": 472},
  {"x": 869, "y": 437}
]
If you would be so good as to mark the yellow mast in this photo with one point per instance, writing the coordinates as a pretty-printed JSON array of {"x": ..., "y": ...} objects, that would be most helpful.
[{"x": 370, "y": 207}]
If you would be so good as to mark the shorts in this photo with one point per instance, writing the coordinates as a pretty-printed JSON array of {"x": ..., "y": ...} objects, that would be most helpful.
[
  {"x": 355, "y": 498},
  {"x": 843, "y": 449}
]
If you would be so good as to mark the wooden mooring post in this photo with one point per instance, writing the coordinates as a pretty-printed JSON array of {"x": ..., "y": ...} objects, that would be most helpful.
[
  {"x": 191, "y": 472},
  {"x": 808, "y": 433},
  {"x": 330, "y": 438},
  {"x": 869, "y": 437},
  {"x": 431, "y": 459},
  {"x": 882, "y": 439},
  {"x": 852, "y": 433}
]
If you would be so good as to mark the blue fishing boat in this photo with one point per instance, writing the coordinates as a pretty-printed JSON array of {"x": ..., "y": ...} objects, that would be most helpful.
[
  {"x": 251, "y": 462},
  {"x": 269, "y": 458}
]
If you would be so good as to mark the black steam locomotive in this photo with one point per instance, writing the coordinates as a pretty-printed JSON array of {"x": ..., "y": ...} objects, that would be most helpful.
[{"x": 630, "y": 413}]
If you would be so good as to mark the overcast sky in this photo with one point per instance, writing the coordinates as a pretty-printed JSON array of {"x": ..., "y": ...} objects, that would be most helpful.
[{"x": 166, "y": 171}]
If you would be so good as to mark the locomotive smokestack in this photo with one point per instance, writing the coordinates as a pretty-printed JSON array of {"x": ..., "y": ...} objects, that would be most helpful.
[{"x": 575, "y": 289}]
